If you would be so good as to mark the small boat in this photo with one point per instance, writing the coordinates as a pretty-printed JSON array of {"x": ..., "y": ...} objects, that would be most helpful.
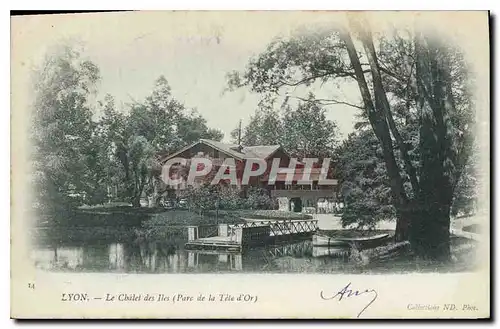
[
  {"x": 331, "y": 251},
  {"x": 359, "y": 243},
  {"x": 327, "y": 241}
]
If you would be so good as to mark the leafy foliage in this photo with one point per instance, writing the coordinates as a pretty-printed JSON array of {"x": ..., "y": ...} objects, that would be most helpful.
[
  {"x": 306, "y": 56},
  {"x": 265, "y": 128},
  {"x": 303, "y": 131},
  {"x": 229, "y": 198},
  {"x": 81, "y": 158},
  {"x": 65, "y": 159},
  {"x": 219, "y": 197},
  {"x": 201, "y": 198},
  {"x": 308, "y": 133},
  {"x": 465, "y": 197},
  {"x": 258, "y": 198},
  {"x": 135, "y": 140},
  {"x": 361, "y": 172},
  {"x": 415, "y": 96}
]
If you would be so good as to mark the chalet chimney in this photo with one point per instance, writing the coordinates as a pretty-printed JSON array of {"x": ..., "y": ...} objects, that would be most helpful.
[
  {"x": 239, "y": 135},
  {"x": 239, "y": 138}
]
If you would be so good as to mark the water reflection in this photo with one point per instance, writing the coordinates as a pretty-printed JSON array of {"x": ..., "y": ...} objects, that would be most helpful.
[{"x": 156, "y": 257}]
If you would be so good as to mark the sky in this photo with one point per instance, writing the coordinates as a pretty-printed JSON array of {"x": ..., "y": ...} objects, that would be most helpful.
[{"x": 194, "y": 51}]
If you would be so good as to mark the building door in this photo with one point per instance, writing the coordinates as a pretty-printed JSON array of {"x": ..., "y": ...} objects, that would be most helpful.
[{"x": 296, "y": 204}]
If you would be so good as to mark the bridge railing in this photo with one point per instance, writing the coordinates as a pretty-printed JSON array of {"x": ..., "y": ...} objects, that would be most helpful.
[
  {"x": 202, "y": 231},
  {"x": 280, "y": 227},
  {"x": 253, "y": 230}
]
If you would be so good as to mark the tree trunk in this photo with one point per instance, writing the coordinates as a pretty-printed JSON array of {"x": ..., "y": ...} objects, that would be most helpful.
[
  {"x": 430, "y": 232},
  {"x": 136, "y": 201},
  {"x": 430, "y": 227},
  {"x": 377, "y": 118},
  {"x": 425, "y": 219},
  {"x": 402, "y": 226}
]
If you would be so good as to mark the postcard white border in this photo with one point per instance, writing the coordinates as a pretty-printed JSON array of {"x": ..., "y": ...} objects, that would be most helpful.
[{"x": 297, "y": 277}]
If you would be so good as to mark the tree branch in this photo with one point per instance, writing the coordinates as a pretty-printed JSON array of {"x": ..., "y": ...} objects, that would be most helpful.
[
  {"x": 412, "y": 172},
  {"x": 390, "y": 73},
  {"x": 334, "y": 74},
  {"x": 328, "y": 102},
  {"x": 295, "y": 84},
  {"x": 382, "y": 101},
  {"x": 379, "y": 126}
]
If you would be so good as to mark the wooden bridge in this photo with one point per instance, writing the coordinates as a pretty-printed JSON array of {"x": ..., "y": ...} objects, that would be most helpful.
[{"x": 233, "y": 237}]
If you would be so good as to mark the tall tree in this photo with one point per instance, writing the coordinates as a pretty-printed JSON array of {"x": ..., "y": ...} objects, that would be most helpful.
[
  {"x": 308, "y": 133},
  {"x": 414, "y": 92},
  {"x": 191, "y": 127},
  {"x": 79, "y": 159},
  {"x": 157, "y": 126},
  {"x": 114, "y": 135},
  {"x": 140, "y": 162},
  {"x": 361, "y": 173},
  {"x": 264, "y": 128},
  {"x": 302, "y": 129},
  {"x": 63, "y": 132}
]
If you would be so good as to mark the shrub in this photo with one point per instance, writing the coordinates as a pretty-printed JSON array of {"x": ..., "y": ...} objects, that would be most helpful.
[
  {"x": 258, "y": 198},
  {"x": 230, "y": 198}
]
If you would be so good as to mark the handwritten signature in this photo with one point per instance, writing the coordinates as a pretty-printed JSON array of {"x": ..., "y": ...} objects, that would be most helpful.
[{"x": 348, "y": 292}]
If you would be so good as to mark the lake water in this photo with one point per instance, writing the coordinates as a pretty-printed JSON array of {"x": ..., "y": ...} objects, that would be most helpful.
[
  {"x": 161, "y": 255},
  {"x": 156, "y": 257}
]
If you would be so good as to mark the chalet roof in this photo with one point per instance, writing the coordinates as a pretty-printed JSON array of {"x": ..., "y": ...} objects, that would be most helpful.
[
  {"x": 246, "y": 152},
  {"x": 262, "y": 151},
  {"x": 233, "y": 150}
]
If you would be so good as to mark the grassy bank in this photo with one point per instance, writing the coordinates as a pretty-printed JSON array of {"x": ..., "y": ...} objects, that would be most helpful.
[
  {"x": 119, "y": 223},
  {"x": 185, "y": 218},
  {"x": 127, "y": 216},
  {"x": 261, "y": 214},
  {"x": 77, "y": 235},
  {"x": 112, "y": 217}
]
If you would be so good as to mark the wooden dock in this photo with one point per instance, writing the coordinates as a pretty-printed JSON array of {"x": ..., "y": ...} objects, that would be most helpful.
[
  {"x": 235, "y": 237},
  {"x": 214, "y": 243}
]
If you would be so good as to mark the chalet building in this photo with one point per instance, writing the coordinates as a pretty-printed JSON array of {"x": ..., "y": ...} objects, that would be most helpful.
[{"x": 285, "y": 192}]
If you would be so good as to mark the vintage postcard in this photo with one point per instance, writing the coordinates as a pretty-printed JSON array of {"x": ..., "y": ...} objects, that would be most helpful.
[{"x": 292, "y": 165}]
